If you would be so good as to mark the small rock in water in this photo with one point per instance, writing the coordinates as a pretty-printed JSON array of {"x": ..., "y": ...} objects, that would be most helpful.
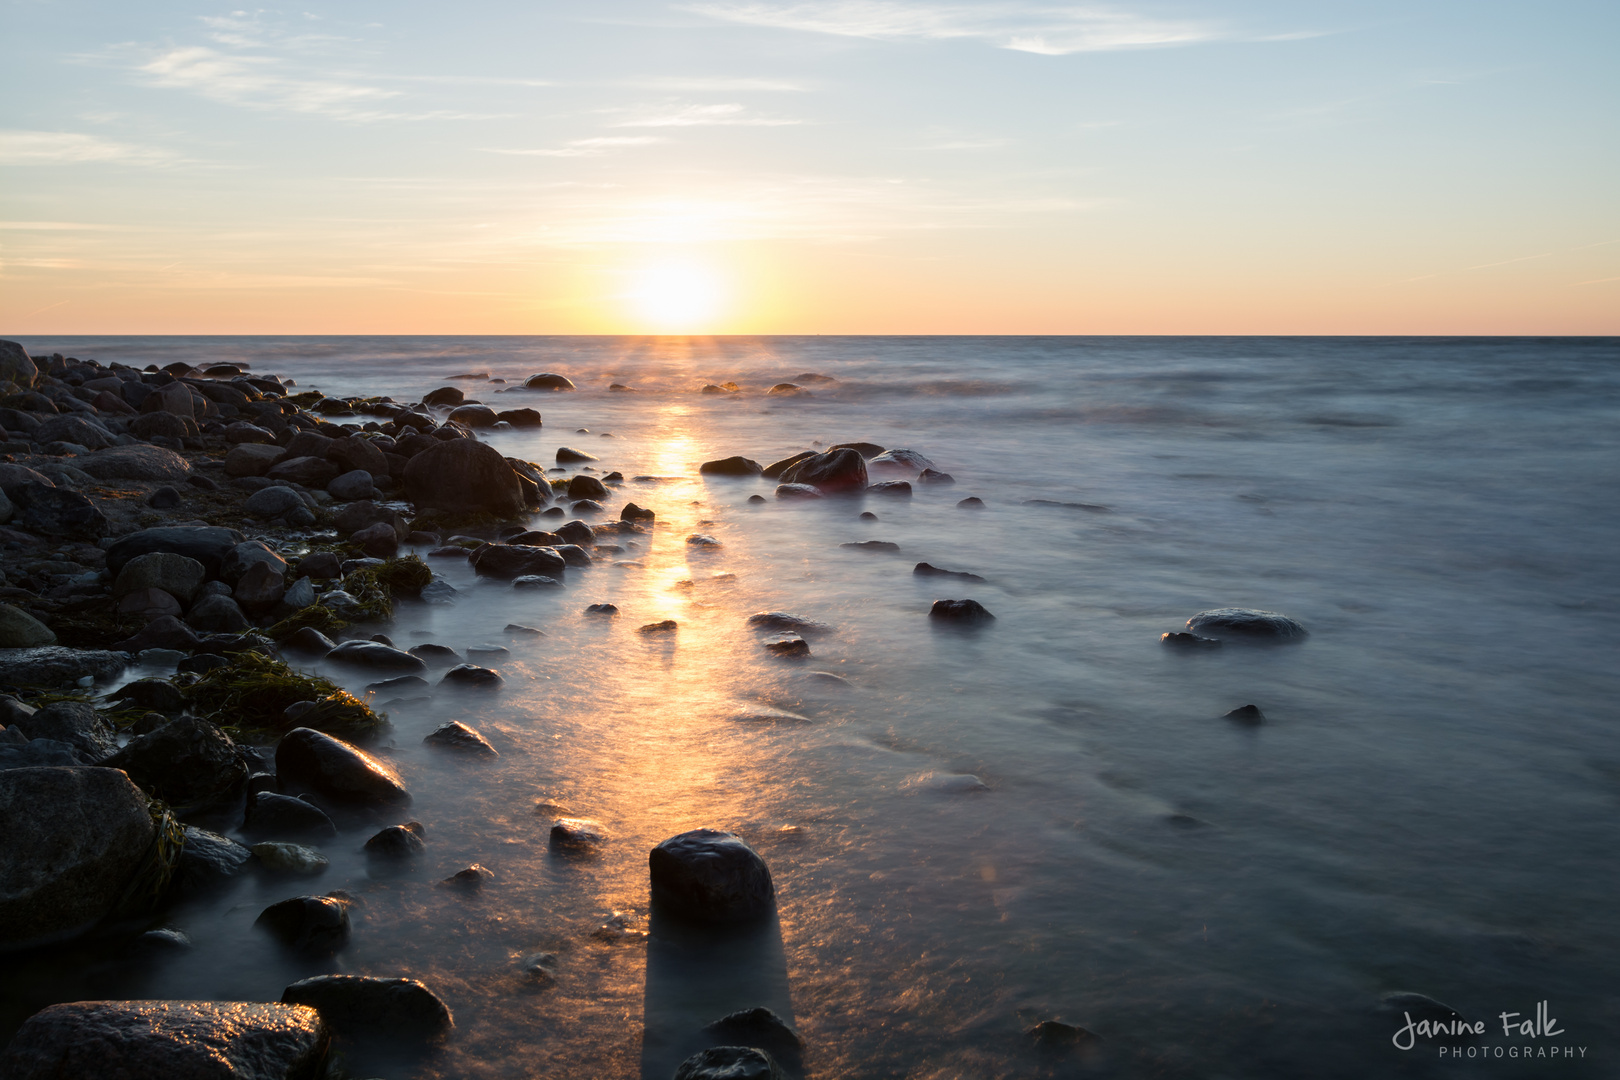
[
  {"x": 469, "y": 879},
  {"x": 953, "y": 783},
  {"x": 398, "y": 842},
  {"x": 756, "y": 499},
  {"x": 874, "y": 546},
  {"x": 487, "y": 652},
  {"x": 457, "y": 736},
  {"x": 797, "y": 491},
  {"x": 401, "y": 684},
  {"x": 761, "y": 1028},
  {"x": 294, "y": 860},
  {"x": 923, "y": 569},
  {"x": 1246, "y": 714},
  {"x": 731, "y": 466},
  {"x": 791, "y": 646},
  {"x": 541, "y": 967},
  {"x": 702, "y": 540},
  {"x": 1189, "y": 641},
  {"x": 471, "y": 675},
  {"x": 711, "y": 876},
  {"x": 602, "y": 609},
  {"x": 787, "y": 622},
  {"x": 435, "y": 655},
  {"x": 972, "y": 502},
  {"x": 316, "y": 925},
  {"x": 567, "y": 455},
  {"x": 1053, "y": 1036},
  {"x": 867, "y": 515},
  {"x": 312, "y": 760},
  {"x": 731, "y": 1062},
  {"x": 365, "y": 1007},
  {"x": 1246, "y": 624},
  {"x": 577, "y": 835},
  {"x": 934, "y": 476},
  {"x": 632, "y": 512},
  {"x": 890, "y": 487},
  {"x": 536, "y": 581},
  {"x": 524, "y": 631},
  {"x": 964, "y": 611},
  {"x": 658, "y": 627},
  {"x": 270, "y": 814}
]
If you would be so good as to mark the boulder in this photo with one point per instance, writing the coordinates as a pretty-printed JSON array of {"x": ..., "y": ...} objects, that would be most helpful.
[
  {"x": 20, "y": 630},
  {"x": 830, "y": 473},
  {"x": 185, "y": 762},
  {"x": 731, "y": 466},
  {"x": 356, "y": 453},
  {"x": 460, "y": 738},
  {"x": 760, "y": 1028},
  {"x": 169, "y": 1040},
  {"x": 923, "y": 569},
  {"x": 797, "y": 491},
  {"x": 270, "y": 814},
  {"x": 151, "y": 464},
  {"x": 174, "y": 397},
  {"x": 207, "y": 860},
  {"x": 586, "y": 487},
  {"x": 567, "y": 455},
  {"x": 890, "y": 487},
  {"x": 16, "y": 366},
  {"x": 243, "y": 433},
  {"x": 352, "y": 486},
  {"x": 55, "y": 512},
  {"x": 260, "y": 588},
  {"x": 314, "y": 925},
  {"x": 178, "y": 575},
  {"x": 252, "y": 459},
  {"x": 74, "y": 723},
  {"x": 311, "y": 472},
  {"x": 521, "y": 418},
  {"x": 547, "y": 381},
  {"x": 379, "y": 541},
  {"x": 516, "y": 560},
  {"x": 163, "y": 632},
  {"x": 358, "y": 1006},
  {"x": 249, "y": 553},
  {"x": 76, "y": 838},
  {"x": 710, "y": 876},
  {"x": 473, "y": 416},
  {"x": 290, "y": 860},
  {"x": 444, "y": 396},
  {"x": 867, "y": 450},
  {"x": 576, "y": 836},
  {"x": 375, "y": 656},
  {"x": 397, "y": 842},
  {"x": 730, "y": 1063},
  {"x": 364, "y": 513},
  {"x": 206, "y": 543},
  {"x": 787, "y": 622},
  {"x": 73, "y": 429},
  {"x": 1246, "y": 624},
  {"x": 632, "y": 512},
  {"x": 965, "y": 611},
  {"x": 57, "y": 665},
  {"x": 471, "y": 675},
  {"x": 935, "y": 477},
  {"x": 310, "y": 760},
  {"x": 161, "y": 425},
  {"x": 899, "y": 462},
  {"x": 217, "y": 614},
  {"x": 463, "y": 476},
  {"x": 775, "y": 469}
]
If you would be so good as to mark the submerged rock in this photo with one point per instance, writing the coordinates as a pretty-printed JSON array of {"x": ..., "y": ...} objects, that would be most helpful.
[
  {"x": 359, "y": 1006},
  {"x": 1054, "y": 1036},
  {"x": 760, "y": 1028},
  {"x": 169, "y": 1040},
  {"x": 710, "y": 876},
  {"x": 577, "y": 835},
  {"x": 1189, "y": 641},
  {"x": 831, "y": 473},
  {"x": 1246, "y": 624},
  {"x": 1246, "y": 714},
  {"x": 206, "y": 861},
  {"x": 791, "y": 646},
  {"x": 548, "y": 381},
  {"x": 473, "y": 676},
  {"x": 775, "y": 469},
  {"x": 316, "y": 925},
  {"x": 377, "y": 657},
  {"x": 789, "y": 623},
  {"x": 270, "y": 814},
  {"x": 517, "y": 560},
  {"x": 460, "y": 738},
  {"x": 875, "y": 546},
  {"x": 796, "y": 491},
  {"x": 923, "y": 569},
  {"x": 292, "y": 860},
  {"x": 966, "y": 611},
  {"x": 311, "y": 760},
  {"x": 731, "y": 466}
]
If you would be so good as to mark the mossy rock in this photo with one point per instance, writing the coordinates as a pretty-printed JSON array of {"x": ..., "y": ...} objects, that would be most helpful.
[{"x": 251, "y": 694}]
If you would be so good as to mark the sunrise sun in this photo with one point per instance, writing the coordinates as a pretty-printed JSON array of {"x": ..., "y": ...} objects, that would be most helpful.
[{"x": 676, "y": 295}]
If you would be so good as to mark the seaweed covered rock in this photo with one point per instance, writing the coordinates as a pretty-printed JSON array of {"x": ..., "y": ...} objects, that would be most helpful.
[
  {"x": 359, "y": 1006},
  {"x": 169, "y": 1040},
  {"x": 308, "y": 760},
  {"x": 711, "y": 876},
  {"x": 77, "y": 840},
  {"x": 186, "y": 761},
  {"x": 463, "y": 476},
  {"x": 254, "y": 691}
]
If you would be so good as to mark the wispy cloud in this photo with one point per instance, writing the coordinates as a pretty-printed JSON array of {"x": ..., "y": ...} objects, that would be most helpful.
[
  {"x": 593, "y": 147},
  {"x": 1044, "y": 29},
  {"x": 72, "y": 148},
  {"x": 692, "y": 115},
  {"x": 722, "y": 85}
]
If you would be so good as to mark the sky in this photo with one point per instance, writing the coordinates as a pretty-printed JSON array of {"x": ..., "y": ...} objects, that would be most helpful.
[{"x": 839, "y": 167}]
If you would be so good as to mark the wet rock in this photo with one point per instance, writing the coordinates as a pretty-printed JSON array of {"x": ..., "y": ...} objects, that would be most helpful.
[
  {"x": 377, "y": 657},
  {"x": 159, "y": 695},
  {"x": 312, "y": 761},
  {"x": 760, "y": 1028},
  {"x": 831, "y": 473},
  {"x": 187, "y": 761},
  {"x": 724, "y": 388},
  {"x": 667, "y": 626},
  {"x": 575, "y": 532},
  {"x": 797, "y": 491},
  {"x": 524, "y": 631},
  {"x": 756, "y": 499},
  {"x": 314, "y": 925},
  {"x": 865, "y": 449},
  {"x": 164, "y": 498},
  {"x": 76, "y": 839},
  {"x": 731, "y": 466},
  {"x": 473, "y": 677},
  {"x": 206, "y": 544},
  {"x": 1246, "y": 714},
  {"x": 867, "y": 515},
  {"x": 730, "y": 1062},
  {"x": 960, "y": 611},
  {"x": 547, "y": 381},
  {"x": 519, "y": 418},
  {"x": 702, "y": 540},
  {"x": 460, "y": 738},
  {"x": 632, "y": 512},
  {"x": 168, "y": 1040},
  {"x": 577, "y": 836},
  {"x": 357, "y": 516},
  {"x": 56, "y": 512},
  {"x": 923, "y": 569},
  {"x": 218, "y": 614},
  {"x": 309, "y": 641},
  {"x": 567, "y": 455},
  {"x": 788, "y": 622},
  {"x": 535, "y": 581},
  {"x": 289, "y": 860},
  {"x": 586, "y": 487},
  {"x": 1189, "y": 641},
  {"x": 1053, "y": 1036},
  {"x": 357, "y": 1006},
  {"x": 710, "y": 876},
  {"x": 791, "y": 647},
  {"x": 20, "y": 630},
  {"x": 351, "y": 486},
  {"x": 487, "y": 652},
  {"x": 473, "y": 416},
  {"x": 397, "y": 842},
  {"x": 972, "y": 502},
  {"x": 875, "y": 546},
  {"x": 470, "y": 878},
  {"x": 240, "y": 557},
  {"x": 444, "y": 396},
  {"x": 56, "y": 665},
  {"x": 259, "y": 589},
  {"x": 899, "y": 461},
  {"x": 775, "y": 469},
  {"x": 609, "y": 610},
  {"x": 74, "y": 723},
  {"x": 1246, "y": 624},
  {"x": 573, "y": 554},
  {"x": 273, "y": 502},
  {"x": 435, "y": 655},
  {"x": 787, "y": 389},
  {"x": 935, "y": 478},
  {"x": 270, "y": 814},
  {"x": 516, "y": 560},
  {"x": 463, "y": 476}
]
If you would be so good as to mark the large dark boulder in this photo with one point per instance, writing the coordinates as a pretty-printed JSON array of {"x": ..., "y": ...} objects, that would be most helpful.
[
  {"x": 55, "y": 512},
  {"x": 309, "y": 760},
  {"x": 458, "y": 737},
  {"x": 830, "y": 473},
  {"x": 960, "y": 611},
  {"x": 710, "y": 876},
  {"x": 519, "y": 417},
  {"x": 474, "y": 416},
  {"x": 186, "y": 761},
  {"x": 775, "y": 469},
  {"x": 463, "y": 476},
  {"x": 375, "y": 656},
  {"x": 444, "y": 396},
  {"x": 516, "y": 560},
  {"x": 74, "y": 723},
  {"x": 358, "y": 1006},
  {"x": 74, "y": 429},
  {"x": 353, "y": 452},
  {"x": 17, "y": 368},
  {"x": 76, "y": 838},
  {"x": 1246, "y": 624},
  {"x": 169, "y": 1040},
  {"x": 314, "y": 925},
  {"x": 731, "y": 466},
  {"x": 208, "y": 544},
  {"x": 270, "y": 814},
  {"x": 730, "y": 1063},
  {"x": 586, "y": 487}
]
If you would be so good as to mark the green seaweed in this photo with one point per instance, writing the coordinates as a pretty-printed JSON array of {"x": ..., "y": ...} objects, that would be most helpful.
[
  {"x": 251, "y": 694},
  {"x": 317, "y": 615}
]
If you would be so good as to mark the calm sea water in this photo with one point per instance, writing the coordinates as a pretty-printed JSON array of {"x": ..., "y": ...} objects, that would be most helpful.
[{"x": 1433, "y": 804}]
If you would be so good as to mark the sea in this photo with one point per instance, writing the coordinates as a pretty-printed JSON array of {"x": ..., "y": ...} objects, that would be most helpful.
[{"x": 1048, "y": 816}]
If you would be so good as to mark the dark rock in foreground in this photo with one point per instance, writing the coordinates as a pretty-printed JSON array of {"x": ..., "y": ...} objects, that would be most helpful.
[
  {"x": 1246, "y": 624},
  {"x": 169, "y": 1040},
  {"x": 760, "y": 1028},
  {"x": 731, "y": 466},
  {"x": 357, "y": 1006},
  {"x": 964, "y": 611},
  {"x": 311, "y": 760},
  {"x": 463, "y": 476},
  {"x": 830, "y": 473},
  {"x": 730, "y": 1063},
  {"x": 474, "y": 677},
  {"x": 186, "y": 761},
  {"x": 315, "y": 925},
  {"x": 710, "y": 876}
]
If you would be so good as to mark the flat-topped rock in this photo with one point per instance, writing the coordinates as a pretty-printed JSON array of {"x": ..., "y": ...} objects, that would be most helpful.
[
  {"x": 1246, "y": 624},
  {"x": 711, "y": 876},
  {"x": 361, "y": 1006}
]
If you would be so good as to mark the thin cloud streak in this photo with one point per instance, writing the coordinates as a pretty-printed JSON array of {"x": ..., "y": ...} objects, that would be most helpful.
[
  {"x": 593, "y": 147},
  {"x": 74, "y": 148},
  {"x": 726, "y": 115},
  {"x": 1045, "y": 30}
]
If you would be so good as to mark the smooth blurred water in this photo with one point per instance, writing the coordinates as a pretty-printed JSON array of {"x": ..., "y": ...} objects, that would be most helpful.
[{"x": 1433, "y": 804}]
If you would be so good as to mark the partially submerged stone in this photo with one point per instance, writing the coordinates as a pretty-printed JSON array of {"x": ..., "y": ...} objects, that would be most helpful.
[
  {"x": 361, "y": 1006},
  {"x": 311, "y": 760},
  {"x": 711, "y": 876}
]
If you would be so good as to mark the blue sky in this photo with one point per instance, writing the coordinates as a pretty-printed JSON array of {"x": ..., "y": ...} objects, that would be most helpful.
[{"x": 851, "y": 166}]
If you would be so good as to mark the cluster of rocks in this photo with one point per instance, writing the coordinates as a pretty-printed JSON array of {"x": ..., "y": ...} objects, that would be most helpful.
[{"x": 843, "y": 469}]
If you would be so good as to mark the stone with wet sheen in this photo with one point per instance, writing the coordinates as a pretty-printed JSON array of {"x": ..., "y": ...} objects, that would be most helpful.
[
  {"x": 362, "y": 1006},
  {"x": 1246, "y": 624},
  {"x": 730, "y": 1063},
  {"x": 315, "y": 925},
  {"x": 458, "y": 737},
  {"x": 711, "y": 876},
  {"x": 960, "y": 611},
  {"x": 314, "y": 761}
]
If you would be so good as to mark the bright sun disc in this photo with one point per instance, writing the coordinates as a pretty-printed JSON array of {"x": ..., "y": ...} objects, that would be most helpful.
[{"x": 677, "y": 295}]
